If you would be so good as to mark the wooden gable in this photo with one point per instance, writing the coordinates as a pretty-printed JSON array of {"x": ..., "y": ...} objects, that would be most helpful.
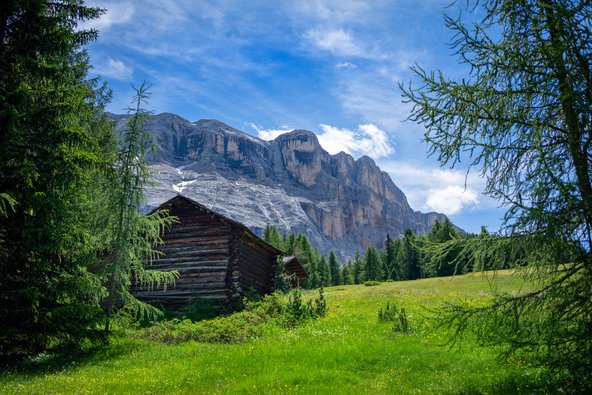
[{"x": 217, "y": 258}]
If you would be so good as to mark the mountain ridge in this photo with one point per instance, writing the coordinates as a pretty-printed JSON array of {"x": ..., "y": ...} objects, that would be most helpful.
[{"x": 339, "y": 202}]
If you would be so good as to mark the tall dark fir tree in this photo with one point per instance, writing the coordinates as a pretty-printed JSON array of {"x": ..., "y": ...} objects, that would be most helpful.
[{"x": 53, "y": 141}]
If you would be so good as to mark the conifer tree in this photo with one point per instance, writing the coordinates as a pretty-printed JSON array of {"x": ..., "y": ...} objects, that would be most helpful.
[
  {"x": 267, "y": 233},
  {"x": 390, "y": 259},
  {"x": 49, "y": 156},
  {"x": 290, "y": 244},
  {"x": 409, "y": 257},
  {"x": 522, "y": 118},
  {"x": 372, "y": 265},
  {"x": 314, "y": 280},
  {"x": 334, "y": 269},
  {"x": 134, "y": 235},
  {"x": 324, "y": 273},
  {"x": 346, "y": 274},
  {"x": 358, "y": 270}
]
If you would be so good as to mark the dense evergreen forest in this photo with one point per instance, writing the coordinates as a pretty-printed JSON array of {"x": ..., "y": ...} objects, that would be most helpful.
[{"x": 411, "y": 257}]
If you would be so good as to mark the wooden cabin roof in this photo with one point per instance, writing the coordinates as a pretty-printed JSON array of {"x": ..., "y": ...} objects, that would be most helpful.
[
  {"x": 293, "y": 265},
  {"x": 245, "y": 231}
]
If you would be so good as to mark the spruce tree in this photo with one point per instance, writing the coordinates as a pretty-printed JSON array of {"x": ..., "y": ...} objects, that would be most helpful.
[
  {"x": 358, "y": 270},
  {"x": 409, "y": 257},
  {"x": 372, "y": 265},
  {"x": 346, "y": 274},
  {"x": 48, "y": 159},
  {"x": 334, "y": 269},
  {"x": 324, "y": 272},
  {"x": 390, "y": 259}
]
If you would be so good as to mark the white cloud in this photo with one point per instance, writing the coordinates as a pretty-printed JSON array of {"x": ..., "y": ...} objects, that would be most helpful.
[
  {"x": 270, "y": 134},
  {"x": 367, "y": 140},
  {"x": 337, "y": 41},
  {"x": 346, "y": 65},
  {"x": 329, "y": 11},
  {"x": 114, "y": 68},
  {"x": 451, "y": 199},
  {"x": 116, "y": 13},
  {"x": 429, "y": 188}
]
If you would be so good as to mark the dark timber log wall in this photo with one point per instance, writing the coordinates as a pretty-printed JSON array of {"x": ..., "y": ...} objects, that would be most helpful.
[
  {"x": 217, "y": 258},
  {"x": 197, "y": 247},
  {"x": 256, "y": 267}
]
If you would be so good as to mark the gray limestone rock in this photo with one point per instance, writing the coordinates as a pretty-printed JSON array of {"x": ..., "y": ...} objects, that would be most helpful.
[{"x": 292, "y": 182}]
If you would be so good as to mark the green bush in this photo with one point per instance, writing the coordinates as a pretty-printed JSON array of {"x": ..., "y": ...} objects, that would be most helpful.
[
  {"x": 236, "y": 328},
  {"x": 371, "y": 283},
  {"x": 202, "y": 309},
  {"x": 239, "y": 327},
  {"x": 395, "y": 315}
]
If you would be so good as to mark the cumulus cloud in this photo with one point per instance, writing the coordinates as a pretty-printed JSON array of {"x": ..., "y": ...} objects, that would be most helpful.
[
  {"x": 114, "y": 68},
  {"x": 451, "y": 199},
  {"x": 367, "y": 140},
  {"x": 270, "y": 134},
  {"x": 435, "y": 189}
]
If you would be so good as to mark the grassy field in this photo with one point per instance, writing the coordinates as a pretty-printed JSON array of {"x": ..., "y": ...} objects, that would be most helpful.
[{"x": 347, "y": 351}]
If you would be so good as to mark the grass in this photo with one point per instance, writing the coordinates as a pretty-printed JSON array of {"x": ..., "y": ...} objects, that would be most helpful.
[{"x": 347, "y": 351}]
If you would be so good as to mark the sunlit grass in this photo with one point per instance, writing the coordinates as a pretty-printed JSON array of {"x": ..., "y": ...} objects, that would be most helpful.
[{"x": 348, "y": 351}]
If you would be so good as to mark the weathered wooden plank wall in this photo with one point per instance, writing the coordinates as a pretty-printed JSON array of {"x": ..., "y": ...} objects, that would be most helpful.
[
  {"x": 256, "y": 267},
  {"x": 198, "y": 247}
]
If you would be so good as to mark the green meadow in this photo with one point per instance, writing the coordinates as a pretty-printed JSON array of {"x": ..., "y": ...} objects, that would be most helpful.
[{"x": 348, "y": 351}]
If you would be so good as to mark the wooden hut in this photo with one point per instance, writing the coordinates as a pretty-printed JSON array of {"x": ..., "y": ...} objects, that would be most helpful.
[
  {"x": 292, "y": 266},
  {"x": 217, "y": 258}
]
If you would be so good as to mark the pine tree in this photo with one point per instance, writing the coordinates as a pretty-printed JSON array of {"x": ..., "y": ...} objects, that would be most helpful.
[
  {"x": 409, "y": 257},
  {"x": 346, "y": 274},
  {"x": 267, "y": 233},
  {"x": 273, "y": 237},
  {"x": 324, "y": 273},
  {"x": 290, "y": 244}
]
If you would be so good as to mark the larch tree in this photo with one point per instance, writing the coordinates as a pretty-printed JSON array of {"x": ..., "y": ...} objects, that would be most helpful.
[
  {"x": 522, "y": 117},
  {"x": 135, "y": 235}
]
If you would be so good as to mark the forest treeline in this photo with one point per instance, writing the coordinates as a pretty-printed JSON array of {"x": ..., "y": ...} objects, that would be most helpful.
[{"x": 409, "y": 257}]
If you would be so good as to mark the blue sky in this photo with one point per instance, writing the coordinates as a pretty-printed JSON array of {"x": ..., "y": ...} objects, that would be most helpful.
[{"x": 266, "y": 67}]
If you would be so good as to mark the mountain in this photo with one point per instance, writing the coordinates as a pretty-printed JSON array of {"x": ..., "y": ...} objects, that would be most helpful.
[{"x": 339, "y": 203}]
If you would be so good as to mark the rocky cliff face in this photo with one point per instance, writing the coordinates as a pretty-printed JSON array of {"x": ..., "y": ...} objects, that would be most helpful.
[{"x": 291, "y": 182}]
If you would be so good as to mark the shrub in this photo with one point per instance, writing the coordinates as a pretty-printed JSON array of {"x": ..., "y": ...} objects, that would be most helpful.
[
  {"x": 395, "y": 315},
  {"x": 236, "y": 328},
  {"x": 297, "y": 312},
  {"x": 241, "y": 326},
  {"x": 201, "y": 309},
  {"x": 371, "y": 283}
]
